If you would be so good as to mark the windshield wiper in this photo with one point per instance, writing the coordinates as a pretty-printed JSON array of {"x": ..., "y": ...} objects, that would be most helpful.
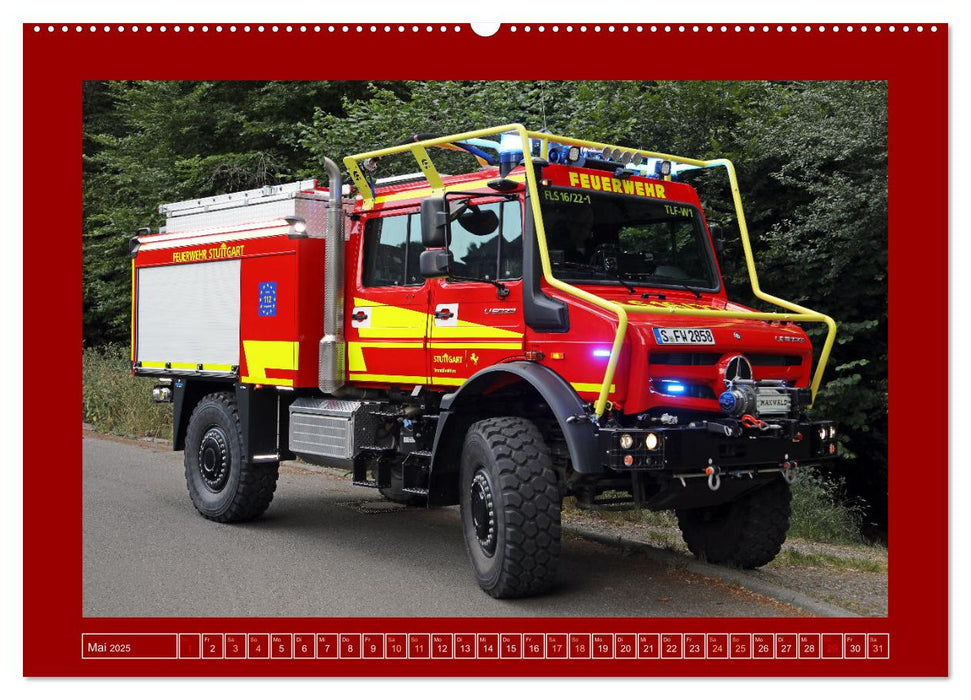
[
  {"x": 678, "y": 283},
  {"x": 620, "y": 278}
]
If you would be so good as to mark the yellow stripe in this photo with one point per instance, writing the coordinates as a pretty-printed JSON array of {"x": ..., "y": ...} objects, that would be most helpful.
[
  {"x": 391, "y": 344},
  {"x": 262, "y": 355},
  {"x": 355, "y": 358},
  {"x": 355, "y": 351},
  {"x": 590, "y": 388},
  {"x": 393, "y": 321},
  {"x": 390, "y": 378},
  {"x": 466, "y": 329},
  {"x": 184, "y": 365},
  {"x": 153, "y": 364},
  {"x": 217, "y": 368},
  {"x": 475, "y": 346},
  {"x": 271, "y": 381},
  {"x": 448, "y": 381}
]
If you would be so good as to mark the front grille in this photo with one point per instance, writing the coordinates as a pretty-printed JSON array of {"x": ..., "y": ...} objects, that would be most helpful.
[
  {"x": 685, "y": 358},
  {"x": 765, "y": 360},
  {"x": 702, "y": 359}
]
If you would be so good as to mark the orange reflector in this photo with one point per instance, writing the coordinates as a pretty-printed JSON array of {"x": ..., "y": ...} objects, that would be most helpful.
[
  {"x": 709, "y": 470},
  {"x": 533, "y": 355},
  {"x": 557, "y": 355},
  {"x": 628, "y": 460},
  {"x": 832, "y": 449}
]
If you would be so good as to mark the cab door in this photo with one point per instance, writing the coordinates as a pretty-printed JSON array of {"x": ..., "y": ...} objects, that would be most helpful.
[
  {"x": 472, "y": 327},
  {"x": 387, "y": 321}
]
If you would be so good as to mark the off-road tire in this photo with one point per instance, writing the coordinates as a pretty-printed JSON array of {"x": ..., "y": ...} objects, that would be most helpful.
[
  {"x": 223, "y": 485},
  {"x": 747, "y": 532},
  {"x": 508, "y": 482},
  {"x": 396, "y": 495}
]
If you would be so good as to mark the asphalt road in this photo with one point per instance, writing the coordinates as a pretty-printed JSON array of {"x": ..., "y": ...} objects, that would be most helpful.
[{"x": 328, "y": 549}]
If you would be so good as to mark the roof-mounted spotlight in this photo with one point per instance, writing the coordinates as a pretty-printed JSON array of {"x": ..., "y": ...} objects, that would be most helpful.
[
  {"x": 370, "y": 164},
  {"x": 298, "y": 227},
  {"x": 663, "y": 168}
]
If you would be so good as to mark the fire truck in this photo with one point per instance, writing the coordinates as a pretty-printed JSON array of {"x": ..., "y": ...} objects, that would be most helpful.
[{"x": 550, "y": 324}]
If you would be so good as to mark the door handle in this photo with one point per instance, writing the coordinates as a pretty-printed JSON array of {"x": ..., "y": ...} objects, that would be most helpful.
[
  {"x": 444, "y": 314},
  {"x": 359, "y": 316}
]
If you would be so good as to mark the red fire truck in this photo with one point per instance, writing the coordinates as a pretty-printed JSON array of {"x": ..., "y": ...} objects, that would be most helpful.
[{"x": 552, "y": 323}]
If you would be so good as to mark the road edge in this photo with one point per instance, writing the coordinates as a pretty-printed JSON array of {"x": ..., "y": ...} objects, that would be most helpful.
[{"x": 736, "y": 576}]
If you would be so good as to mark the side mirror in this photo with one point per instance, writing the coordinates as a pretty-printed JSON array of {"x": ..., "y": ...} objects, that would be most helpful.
[
  {"x": 434, "y": 263},
  {"x": 718, "y": 239},
  {"x": 479, "y": 222},
  {"x": 434, "y": 222}
]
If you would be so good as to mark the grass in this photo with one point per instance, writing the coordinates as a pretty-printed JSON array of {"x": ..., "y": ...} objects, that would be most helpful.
[
  {"x": 820, "y": 511},
  {"x": 116, "y": 402},
  {"x": 793, "y": 557}
]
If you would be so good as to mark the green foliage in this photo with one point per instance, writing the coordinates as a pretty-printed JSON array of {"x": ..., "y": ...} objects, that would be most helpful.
[
  {"x": 811, "y": 159},
  {"x": 116, "y": 402},
  {"x": 822, "y": 512}
]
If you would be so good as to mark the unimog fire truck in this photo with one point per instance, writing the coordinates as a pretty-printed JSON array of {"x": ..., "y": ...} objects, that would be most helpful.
[{"x": 552, "y": 323}]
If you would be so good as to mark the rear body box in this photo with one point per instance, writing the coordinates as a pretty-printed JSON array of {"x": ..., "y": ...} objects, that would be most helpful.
[{"x": 225, "y": 292}]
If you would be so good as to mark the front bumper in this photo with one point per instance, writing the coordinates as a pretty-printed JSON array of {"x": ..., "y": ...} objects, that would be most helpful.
[{"x": 724, "y": 445}]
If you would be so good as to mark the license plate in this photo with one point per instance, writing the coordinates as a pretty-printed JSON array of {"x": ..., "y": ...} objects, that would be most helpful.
[
  {"x": 684, "y": 336},
  {"x": 772, "y": 403}
]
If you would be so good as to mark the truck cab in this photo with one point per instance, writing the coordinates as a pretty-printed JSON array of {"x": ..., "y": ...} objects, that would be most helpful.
[{"x": 551, "y": 324}]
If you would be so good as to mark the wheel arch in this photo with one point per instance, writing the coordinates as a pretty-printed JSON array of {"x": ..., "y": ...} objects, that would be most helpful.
[
  {"x": 527, "y": 380},
  {"x": 186, "y": 394}
]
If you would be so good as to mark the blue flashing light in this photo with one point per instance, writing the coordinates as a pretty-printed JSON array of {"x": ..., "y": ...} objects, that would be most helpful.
[
  {"x": 674, "y": 387},
  {"x": 600, "y": 352}
]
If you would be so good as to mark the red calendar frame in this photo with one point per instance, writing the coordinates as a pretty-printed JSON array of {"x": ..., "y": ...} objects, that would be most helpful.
[{"x": 915, "y": 65}]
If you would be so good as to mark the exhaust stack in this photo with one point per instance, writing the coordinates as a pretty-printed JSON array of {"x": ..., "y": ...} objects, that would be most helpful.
[{"x": 331, "y": 373}]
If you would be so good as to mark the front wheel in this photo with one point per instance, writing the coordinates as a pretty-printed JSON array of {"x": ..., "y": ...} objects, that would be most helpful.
[
  {"x": 747, "y": 532},
  {"x": 510, "y": 504},
  {"x": 222, "y": 484}
]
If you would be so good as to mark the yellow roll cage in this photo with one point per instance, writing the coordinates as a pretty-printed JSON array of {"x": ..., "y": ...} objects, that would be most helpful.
[{"x": 419, "y": 152}]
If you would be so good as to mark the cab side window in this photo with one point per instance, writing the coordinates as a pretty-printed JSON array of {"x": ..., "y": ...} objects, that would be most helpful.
[
  {"x": 493, "y": 253},
  {"x": 392, "y": 246}
]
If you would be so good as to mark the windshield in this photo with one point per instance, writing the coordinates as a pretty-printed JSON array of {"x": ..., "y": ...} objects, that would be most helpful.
[{"x": 617, "y": 239}]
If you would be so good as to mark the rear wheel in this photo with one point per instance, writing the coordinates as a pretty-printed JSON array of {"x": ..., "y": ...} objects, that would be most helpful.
[
  {"x": 223, "y": 486},
  {"x": 510, "y": 504},
  {"x": 747, "y": 532}
]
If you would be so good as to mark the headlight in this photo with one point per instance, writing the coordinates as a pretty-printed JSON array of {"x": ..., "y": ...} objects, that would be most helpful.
[
  {"x": 627, "y": 441},
  {"x": 832, "y": 432},
  {"x": 822, "y": 432},
  {"x": 652, "y": 441}
]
